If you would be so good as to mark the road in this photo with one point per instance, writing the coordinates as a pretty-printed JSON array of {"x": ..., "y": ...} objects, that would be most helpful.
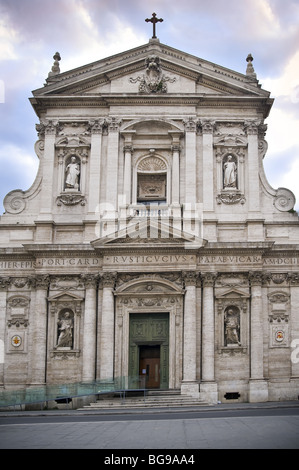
[{"x": 214, "y": 428}]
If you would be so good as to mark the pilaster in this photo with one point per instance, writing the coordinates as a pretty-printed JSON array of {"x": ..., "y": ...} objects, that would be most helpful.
[
  {"x": 89, "y": 328},
  {"x": 208, "y": 386},
  {"x": 253, "y": 168},
  {"x": 208, "y": 165},
  {"x": 258, "y": 387},
  {"x": 189, "y": 384},
  {"x": 107, "y": 327},
  {"x": 39, "y": 322},
  {"x": 4, "y": 284},
  {"x": 49, "y": 129},
  {"x": 190, "y": 163},
  {"x": 96, "y": 128},
  {"x": 111, "y": 202},
  {"x": 293, "y": 279}
]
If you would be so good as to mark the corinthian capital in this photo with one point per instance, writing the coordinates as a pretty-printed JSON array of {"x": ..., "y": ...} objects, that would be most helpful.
[
  {"x": 4, "y": 282},
  {"x": 40, "y": 281},
  {"x": 256, "y": 278},
  {"x": 95, "y": 127},
  {"x": 190, "y": 277},
  {"x": 90, "y": 280},
  {"x": 109, "y": 279},
  {"x": 113, "y": 124},
  {"x": 207, "y": 126},
  {"x": 208, "y": 279},
  {"x": 190, "y": 125}
]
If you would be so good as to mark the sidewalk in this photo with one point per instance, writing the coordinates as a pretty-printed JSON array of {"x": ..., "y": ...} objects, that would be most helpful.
[{"x": 130, "y": 411}]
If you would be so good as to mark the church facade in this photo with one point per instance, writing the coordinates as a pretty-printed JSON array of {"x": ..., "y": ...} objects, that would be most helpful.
[{"x": 151, "y": 245}]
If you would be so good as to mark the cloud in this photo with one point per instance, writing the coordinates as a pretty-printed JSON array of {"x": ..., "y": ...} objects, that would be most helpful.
[
  {"x": 9, "y": 40},
  {"x": 20, "y": 169}
]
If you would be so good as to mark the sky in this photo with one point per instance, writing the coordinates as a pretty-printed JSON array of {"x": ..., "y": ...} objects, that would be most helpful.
[{"x": 84, "y": 31}]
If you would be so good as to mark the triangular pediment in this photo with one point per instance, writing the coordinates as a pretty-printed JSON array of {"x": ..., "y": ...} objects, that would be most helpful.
[
  {"x": 232, "y": 293},
  {"x": 181, "y": 74},
  {"x": 146, "y": 234},
  {"x": 64, "y": 297}
]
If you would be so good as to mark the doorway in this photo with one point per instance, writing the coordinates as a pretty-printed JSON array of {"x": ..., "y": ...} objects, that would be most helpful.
[
  {"x": 149, "y": 365},
  {"x": 149, "y": 349}
]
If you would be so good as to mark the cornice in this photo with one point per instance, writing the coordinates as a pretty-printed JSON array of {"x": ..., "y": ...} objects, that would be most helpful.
[{"x": 105, "y": 100}]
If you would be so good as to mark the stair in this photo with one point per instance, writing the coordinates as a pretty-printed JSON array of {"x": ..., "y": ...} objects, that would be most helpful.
[{"x": 152, "y": 399}]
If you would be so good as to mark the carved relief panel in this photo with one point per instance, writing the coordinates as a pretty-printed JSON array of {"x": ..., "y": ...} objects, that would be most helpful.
[
  {"x": 17, "y": 323},
  {"x": 279, "y": 318}
]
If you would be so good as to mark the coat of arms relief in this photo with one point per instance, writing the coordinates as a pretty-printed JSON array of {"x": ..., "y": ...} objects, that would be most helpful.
[{"x": 153, "y": 80}]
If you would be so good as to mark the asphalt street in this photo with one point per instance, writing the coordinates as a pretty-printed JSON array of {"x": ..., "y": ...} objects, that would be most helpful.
[{"x": 264, "y": 426}]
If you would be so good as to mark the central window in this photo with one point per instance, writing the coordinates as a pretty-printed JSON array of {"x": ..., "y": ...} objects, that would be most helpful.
[{"x": 152, "y": 181}]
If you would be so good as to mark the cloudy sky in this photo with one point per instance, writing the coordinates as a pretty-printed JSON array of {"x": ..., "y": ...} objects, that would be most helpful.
[{"x": 83, "y": 31}]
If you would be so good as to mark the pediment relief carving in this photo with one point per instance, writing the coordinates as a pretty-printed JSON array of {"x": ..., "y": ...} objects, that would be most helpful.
[
  {"x": 230, "y": 141},
  {"x": 65, "y": 297},
  {"x": 148, "y": 286}
]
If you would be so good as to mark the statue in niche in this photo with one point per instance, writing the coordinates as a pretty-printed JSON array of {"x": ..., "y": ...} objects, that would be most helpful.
[
  {"x": 232, "y": 326},
  {"x": 230, "y": 173},
  {"x": 72, "y": 174},
  {"x": 65, "y": 330}
]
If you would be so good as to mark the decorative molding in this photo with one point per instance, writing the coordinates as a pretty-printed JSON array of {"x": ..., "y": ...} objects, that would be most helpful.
[
  {"x": 284, "y": 200},
  {"x": 152, "y": 164},
  {"x": 71, "y": 199},
  {"x": 231, "y": 197}
]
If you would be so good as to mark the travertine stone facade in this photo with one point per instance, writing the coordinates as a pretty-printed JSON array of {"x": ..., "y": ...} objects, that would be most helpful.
[{"x": 151, "y": 245}]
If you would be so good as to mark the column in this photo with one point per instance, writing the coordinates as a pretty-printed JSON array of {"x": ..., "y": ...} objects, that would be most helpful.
[
  {"x": 189, "y": 384},
  {"x": 4, "y": 284},
  {"x": 208, "y": 165},
  {"x": 46, "y": 197},
  {"x": 107, "y": 328},
  {"x": 39, "y": 335},
  {"x": 258, "y": 388},
  {"x": 95, "y": 166},
  {"x": 89, "y": 328},
  {"x": 208, "y": 387}
]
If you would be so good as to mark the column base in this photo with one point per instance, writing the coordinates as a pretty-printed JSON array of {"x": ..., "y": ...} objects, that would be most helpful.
[
  {"x": 190, "y": 389},
  {"x": 209, "y": 392},
  {"x": 258, "y": 391}
]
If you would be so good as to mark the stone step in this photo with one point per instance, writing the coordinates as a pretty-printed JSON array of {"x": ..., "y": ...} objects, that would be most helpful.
[{"x": 155, "y": 400}]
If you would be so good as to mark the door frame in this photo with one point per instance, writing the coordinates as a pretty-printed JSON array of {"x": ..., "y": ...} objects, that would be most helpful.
[{"x": 164, "y": 297}]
